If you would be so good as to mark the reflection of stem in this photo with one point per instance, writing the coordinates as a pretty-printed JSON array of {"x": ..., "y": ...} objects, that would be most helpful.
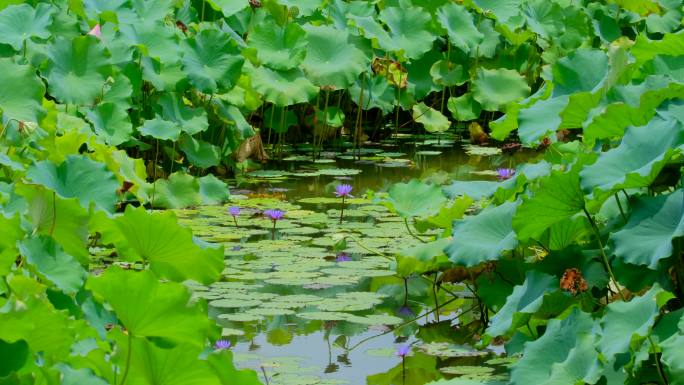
[
  {"x": 603, "y": 253},
  {"x": 128, "y": 357},
  {"x": 414, "y": 319},
  {"x": 265, "y": 376},
  {"x": 408, "y": 228},
  {"x": 342, "y": 211}
]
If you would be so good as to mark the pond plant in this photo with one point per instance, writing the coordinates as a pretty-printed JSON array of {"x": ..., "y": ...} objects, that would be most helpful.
[
  {"x": 234, "y": 211},
  {"x": 112, "y": 111},
  {"x": 343, "y": 191}
]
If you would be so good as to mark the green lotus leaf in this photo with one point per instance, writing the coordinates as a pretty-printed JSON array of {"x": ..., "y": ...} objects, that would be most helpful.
[
  {"x": 155, "y": 40},
  {"x": 504, "y": 10},
  {"x": 638, "y": 159},
  {"x": 279, "y": 47},
  {"x": 212, "y": 190},
  {"x": 414, "y": 199},
  {"x": 496, "y": 88},
  {"x": 163, "y": 76},
  {"x": 653, "y": 224},
  {"x": 228, "y": 7},
  {"x": 540, "y": 120},
  {"x": 13, "y": 355},
  {"x": 464, "y": 107},
  {"x": 191, "y": 120},
  {"x": 623, "y": 320},
  {"x": 118, "y": 90},
  {"x": 50, "y": 260},
  {"x": 71, "y": 376},
  {"x": 483, "y": 237},
  {"x": 169, "y": 248},
  {"x": 21, "y": 92},
  {"x": 419, "y": 78},
  {"x": 372, "y": 30},
  {"x": 459, "y": 25},
  {"x": 377, "y": 92},
  {"x": 8, "y": 242},
  {"x": 564, "y": 353},
  {"x": 76, "y": 69},
  {"x": 159, "y": 128},
  {"x": 330, "y": 59},
  {"x": 199, "y": 152},
  {"x": 431, "y": 119},
  {"x": 222, "y": 363},
  {"x": 283, "y": 88},
  {"x": 558, "y": 197},
  {"x": 111, "y": 122},
  {"x": 78, "y": 177},
  {"x": 525, "y": 299},
  {"x": 673, "y": 358},
  {"x": 409, "y": 30},
  {"x": 149, "y": 308},
  {"x": 570, "y": 75},
  {"x": 475, "y": 189},
  {"x": 211, "y": 61},
  {"x": 646, "y": 49},
  {"x": 332, "y": 116},
  {"x": 21, "y": 22}
]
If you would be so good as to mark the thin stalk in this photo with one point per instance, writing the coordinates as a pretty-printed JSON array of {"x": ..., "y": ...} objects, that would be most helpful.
[
  {"x": 235, "y": 220},
  {"x": 265, "y": 376},
  {"x": 273, "y": 231},
  {"x": 405, "y": 291},
  {"x": 342, "y": 211},
  {"x": 173, "y": 159},
  {"x": 54, "y": 213},
  {"x": 128, "y": 358},
  {"x": 661, "y": 374},
  {"x": 603, "y": 252},
  {"x": 396, "y": 114},
  {"x": 203, "y": 3},
  {"x": 359, "y": 115},
  {"x": 434, "y": 293},
  {"x": 154, "y": 171},
  {"x": 313, "y": 127},
  {"x": 282, "y": 127},
  {"x": 622, "y": 212},
  {"x": 325, "y": 118},
  {"x": 408, "y": 228}
]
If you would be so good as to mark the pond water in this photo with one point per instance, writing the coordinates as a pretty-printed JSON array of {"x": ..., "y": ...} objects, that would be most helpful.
[{"x": 317, "y": 300}]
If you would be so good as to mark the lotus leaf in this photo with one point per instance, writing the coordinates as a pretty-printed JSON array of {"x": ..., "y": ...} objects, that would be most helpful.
[
  {"x": 408, "y": 30},
  {"x": 494, "y": 89},
  {"x": 111, "y": 122},
  {"x": 190, "y": 120},
  {"x": 414, "y": 199},
  {"x": 459, "y": 24},
  {"x": 21, "y": 22},
  {"x": 330, "y": 59},
  {"x": 50, "y": 260},
  {"x": 464, "y": 107},
  {"x": 211, "y": 61},
  {"x": 283, "y": 88},
  {"x": 431, "y": 119}
]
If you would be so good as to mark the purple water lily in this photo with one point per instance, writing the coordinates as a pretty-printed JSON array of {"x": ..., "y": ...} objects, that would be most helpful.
[
  {"x": 406, "y": 311},
  {"x": 403, "y": 351},
  {"x": 342, "y": 190},
  {"x": 222, "y": 344},
  {"x": 234, "y": 211},
  {"x": 274, "y": 215},
  {"x": 505, "y": 173},
  {"x": 343, "y": 257}
]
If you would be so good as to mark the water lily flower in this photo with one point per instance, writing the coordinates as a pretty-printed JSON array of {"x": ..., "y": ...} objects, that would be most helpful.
[
  {"x": 343, "y": 257},
  {"x": 275, "y": 215},
  {"x": 96, "y": 31},
  {"x": 342, "y": 190},
  {"x": 505, "y": 173},
  {"x": 234, "y": 211},
  {"x": 406, "y": 311},
  {"x": 222, "y": 344},
  {"x": 403, "y": 350}
]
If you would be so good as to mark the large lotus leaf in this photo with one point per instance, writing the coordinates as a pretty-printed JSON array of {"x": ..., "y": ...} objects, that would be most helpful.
[
  {"x": 149, "y": 308},
  {"x": 76, "y": 69},
  {"x": 330, "y": 59},
  {"x": 178, "y": 191},
  {"x": 21, "y": 22},
  {"x": 71, "y": 376},
  {"x": 191, "y": 120},
  {"x": 564, "y": 354},
  {"x": 540, "y": 120},
  {"x": 431, "y": 119},
  {"x": 222, "y": 362},
  {"x": 213, "y": 190},
  {"x": 279, "y": 120},
  {"x": 544, "y": 18},
  {"x": 415, "y": 199},
  {"x": 459, "y": 25},
  {"x": 13, "y": 356},
  {"x": 279, "y": 47},
  {"x": 496, "y": 88},
  {"x": 525, "y": 300},
  {"x": 373, "y": 31},
  {"x": 228, "y": 7},
  {"x": 646, "y": 49},
  {"x": 330, "y": 116},
  {"x": 409, "y": 30},
  {"x": 164, "y": 76},
  {"x": 111, "y": 123},
  {"x": 169, "y": 248},
  {"x": 63, "y": 219},
  {"x": 419, "y": 78},
  {"x": 637, "y": 160},
  {"x": 12, "y": 233},
  {"x": 570, "y": 73},
  {"x": 159, "y": 128},
  {"x": 475, "y": 189},
  {"x": 155, "y": 40},
  {"x": 377, "y": 92},
  {"x": 199, "y": 152},
  {"x": 464, "y": 107},
  {"x": 556, "y": 198},
  {"x": 78, "y": 177},
  {"x": 213, "y": 63},
  {"x": 483, "y": 237},
  {"x": 50, "y": 260},
  {"x": 448, "y": 73},
  {"x": 504, "y": 10},
  {"x": 283, "y": 88},
  {"x": 653, "y": 223},
  {"x": 673, "y": 358},
  {"x": 622, "y": 320},
  {"x": 21, "y": 92}
]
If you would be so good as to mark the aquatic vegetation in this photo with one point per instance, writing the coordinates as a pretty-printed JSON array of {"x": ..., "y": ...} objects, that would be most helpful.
[
  {"x": 222, "y": 344},
  {"x": 343, "y": 191},
  {"x": 403, "y": 350},
  {"x": 505, "y": 173},
  {"x": 274, "y": 215},
  {"x": 234, "y": 211}
]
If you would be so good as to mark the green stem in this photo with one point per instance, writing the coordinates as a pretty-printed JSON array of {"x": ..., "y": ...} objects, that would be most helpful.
[
  {"x": 128, "y": 358},
  {"x": 661, "y": 374},
  {"x": 434, "y": 293},
  {"x": 603, "y": 253},
  {"x": 405, "y": 291},
  {"x": 342, "y": 211},
  {"x": 154, "y": 171},
  {"x": 273, "y": 231},
  {"x": 235, "y": 220},
  {"x": 408, "y": 228},
  {"x": 622, "y": 212}
]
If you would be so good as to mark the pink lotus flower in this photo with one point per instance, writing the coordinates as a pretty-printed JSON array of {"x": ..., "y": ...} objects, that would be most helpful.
[{"x": 96, "y": 31}]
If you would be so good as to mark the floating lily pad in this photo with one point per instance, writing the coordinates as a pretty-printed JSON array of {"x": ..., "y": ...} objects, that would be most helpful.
[
  {"x": 234, "y": 303},
  {"x": 474, "y": 150},
  {"x": 466, "y": 370},
  {"x": 241, "y": 317},
  {"x": 339, "y": 171}
]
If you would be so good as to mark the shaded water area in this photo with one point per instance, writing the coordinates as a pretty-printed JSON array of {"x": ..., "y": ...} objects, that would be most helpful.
[{"x": 318, "y": 300}]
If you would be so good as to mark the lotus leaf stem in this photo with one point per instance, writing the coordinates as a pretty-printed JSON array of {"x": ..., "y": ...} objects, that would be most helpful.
[
  {"x": 408, "y": 228},
  {"x": 622, "y": 212},
  {"x": 661, "y": 374},
  {"x": 603, "y": 253},
  {"x": 128, "y": 358}
]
